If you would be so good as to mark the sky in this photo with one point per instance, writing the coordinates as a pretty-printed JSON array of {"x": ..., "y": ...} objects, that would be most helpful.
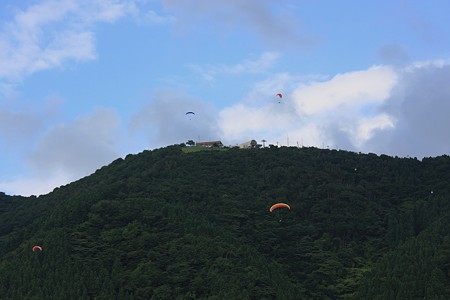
[{"x": 84, "y": 82}]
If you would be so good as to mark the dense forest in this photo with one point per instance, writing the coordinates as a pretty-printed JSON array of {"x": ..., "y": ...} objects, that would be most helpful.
[{"x": 176, "y": 224}]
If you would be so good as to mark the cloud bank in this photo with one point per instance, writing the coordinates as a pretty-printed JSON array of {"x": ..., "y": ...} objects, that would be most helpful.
[
  {"x": 420, "y": 106},
  {"x": 396, "y": 111}
]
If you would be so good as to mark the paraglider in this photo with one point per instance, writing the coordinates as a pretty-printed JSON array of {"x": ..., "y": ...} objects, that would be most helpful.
[
  {"x": 278, "y": 205},
  {"x": 190, "y": 113},
  {"x": 279, "y": 95},
  {"x": 37, "y": 248}
]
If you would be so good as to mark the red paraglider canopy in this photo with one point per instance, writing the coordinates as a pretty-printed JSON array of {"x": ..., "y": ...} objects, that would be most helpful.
[
  {"x": 279, "y": 95},
  {"x": 37, "y": 248}
]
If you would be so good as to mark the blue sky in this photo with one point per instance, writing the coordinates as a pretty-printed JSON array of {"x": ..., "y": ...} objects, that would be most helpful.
[{"x": 83, "y": 82}]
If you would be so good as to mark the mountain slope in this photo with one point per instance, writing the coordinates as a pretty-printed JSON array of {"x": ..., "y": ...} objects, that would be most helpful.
[{"x": 165, "y": 224}]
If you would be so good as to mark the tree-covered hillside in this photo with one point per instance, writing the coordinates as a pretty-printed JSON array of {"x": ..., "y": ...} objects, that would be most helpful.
[{"x": 168, "y": 224}]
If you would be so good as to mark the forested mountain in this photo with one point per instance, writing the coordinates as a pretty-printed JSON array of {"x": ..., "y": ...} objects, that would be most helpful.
[{"x": 173, "y": 224}]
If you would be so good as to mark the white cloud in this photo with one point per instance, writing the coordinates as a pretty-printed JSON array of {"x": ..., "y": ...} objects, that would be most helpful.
[
  {"x": 382, "y": 110},
  {"x": 255, "y": 66},
  {"x": 151, "y": 17},
  {"x": 353, "y": 89},
  {"x": 261, "y": 64},
  {"x": 284, "y": 83},
  {"x": 261, "y": 113},
  {"x": 341, "y": 110},
  {"x": 48, "y": 34},
  {"x": 366, "y": 127},
  {"x": 242, "y": 121},
  {"x": 417, "y": 65},
  {"x": 107, "y": 10}
]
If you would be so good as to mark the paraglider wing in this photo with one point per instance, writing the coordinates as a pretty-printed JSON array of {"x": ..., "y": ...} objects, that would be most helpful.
[
  {"x": 279, "y": 95},
  {"x": 278, "y": 205},
  {"x": 37, "y": 248},
  {"x": 190, "y": 113}
]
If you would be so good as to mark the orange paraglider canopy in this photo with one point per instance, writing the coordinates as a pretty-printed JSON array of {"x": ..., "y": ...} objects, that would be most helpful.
[
  {"x": 37, "y": 248},
  {"x": 278, "y": 205}
]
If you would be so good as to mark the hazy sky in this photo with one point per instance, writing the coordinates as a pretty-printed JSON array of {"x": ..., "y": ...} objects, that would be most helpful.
[{"x": 83, "y": 82}]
